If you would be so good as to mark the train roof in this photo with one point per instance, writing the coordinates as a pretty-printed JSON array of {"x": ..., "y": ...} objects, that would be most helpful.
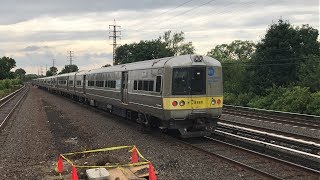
[
  {"x": 174, "y": 61},
  {"x": 184, "y": 60}
]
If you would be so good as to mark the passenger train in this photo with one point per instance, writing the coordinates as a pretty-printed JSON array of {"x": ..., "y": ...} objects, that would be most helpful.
[{"x": 181, "y": 92}]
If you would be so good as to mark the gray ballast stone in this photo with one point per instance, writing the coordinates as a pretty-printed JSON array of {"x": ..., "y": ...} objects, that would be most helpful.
[{"x": 97, "y": 174}]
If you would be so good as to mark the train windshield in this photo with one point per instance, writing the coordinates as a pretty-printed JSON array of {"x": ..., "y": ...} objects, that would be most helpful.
[{"x": 189, "y": 81}]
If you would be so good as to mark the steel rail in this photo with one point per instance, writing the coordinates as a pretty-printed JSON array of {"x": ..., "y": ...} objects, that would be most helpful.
[
  {"x": 301, "y": 120},
  {"x": 307, "y": 169},
  {"x": 15, "y": 106},
  {"x": 231, "y": 161},
  {"x": 271, "y": 118}
]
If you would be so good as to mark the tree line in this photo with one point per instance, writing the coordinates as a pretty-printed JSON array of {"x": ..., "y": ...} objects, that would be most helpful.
[{"x": 8, "y": 63}]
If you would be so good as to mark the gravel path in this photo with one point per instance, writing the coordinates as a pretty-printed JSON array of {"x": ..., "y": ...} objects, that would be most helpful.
[{"x": 46, "y": 125}]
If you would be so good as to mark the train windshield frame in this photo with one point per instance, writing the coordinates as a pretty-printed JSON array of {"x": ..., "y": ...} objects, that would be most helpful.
[{"x": 189, "y": 81}]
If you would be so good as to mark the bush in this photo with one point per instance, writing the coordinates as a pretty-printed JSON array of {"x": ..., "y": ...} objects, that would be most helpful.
[
  {"x": 314, "y": 106},
  {"x": 229, "y": 98},
  {"x": 294, "y": 99},
  {"x": 265, "y": 102},
  {"x": 9, "y": 85}
]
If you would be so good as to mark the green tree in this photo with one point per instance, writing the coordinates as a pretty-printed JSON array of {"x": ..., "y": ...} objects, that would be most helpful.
[
  {"x": 144, "y": 50},
  {"x": 235, "y": 51},
  {"x": 309, "y": 73},
  {"x": 52, "y": 71},
  {"x": 69, "y": 69},
  {"x": 29, "y": 77},
  {"x": 6, "y": 64},
  {"x": 314, "y": 106},
  {"x": 176, "y": 43},
  {"x": 233, "y": 56},
  {"x": 20, "y": 73},
  {"x": 280, "y": 54}
]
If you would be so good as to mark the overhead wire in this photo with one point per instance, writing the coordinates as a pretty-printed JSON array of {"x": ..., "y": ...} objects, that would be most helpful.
[{"x": 180, "y": 5}]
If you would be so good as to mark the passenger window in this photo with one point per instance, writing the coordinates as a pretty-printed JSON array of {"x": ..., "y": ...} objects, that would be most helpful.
[
  {"x": 150, "y": 86},
  {"x": 158, "y": 84},
  {"x": 135, "y": 85},
  {"x": 145, "y": 85},
  {"x": 140, "y": 85}
]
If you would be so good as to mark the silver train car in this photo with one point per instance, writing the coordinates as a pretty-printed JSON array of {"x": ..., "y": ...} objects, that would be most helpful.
[{"x": 181, "y": 92}]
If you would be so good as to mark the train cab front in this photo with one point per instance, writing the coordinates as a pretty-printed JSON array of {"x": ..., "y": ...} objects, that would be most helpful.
[{"x": 195, "y": 102}]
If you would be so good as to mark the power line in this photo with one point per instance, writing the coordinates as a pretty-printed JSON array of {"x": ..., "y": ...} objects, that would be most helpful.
[
  {"x": 276, "y": 62},
  {"x": 191, "y": 9},
  {"x": 184, "y": 12},
  {"x": 180, "y": 5},
  {"x": 113, "y": 30}
]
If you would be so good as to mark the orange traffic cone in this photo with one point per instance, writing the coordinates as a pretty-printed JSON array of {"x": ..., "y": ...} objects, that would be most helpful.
[
  {"x": 152, "y": 174},
  {"x": 134, "y": 155},
  {"x": 74, "y": 174},
  {"x": 60, "y": 165}
]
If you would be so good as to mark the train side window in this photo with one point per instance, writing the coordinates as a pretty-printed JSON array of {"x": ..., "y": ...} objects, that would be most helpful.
[
  {"x": 112, "y": 84},
  {"x": 90, "y": 83},
  {"x": 150, "y": 86},
  {"x": 71, "y": 83},
  {"x": 78, "y": 83},
  {"x": 140, "y": 85},
  {"x": 106, "y": 83},
  {"x": 135, "y": 85},
  {"x": 145, "y": 85},
  {"x": 99, "y": 83},
  {"x": 158, "y": 84}
]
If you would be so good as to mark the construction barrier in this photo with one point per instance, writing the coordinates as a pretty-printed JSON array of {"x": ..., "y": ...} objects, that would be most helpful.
[{"x": 135, "y": 155}]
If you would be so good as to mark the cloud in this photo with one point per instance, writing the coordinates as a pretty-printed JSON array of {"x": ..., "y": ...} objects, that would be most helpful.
[
  {"x": 34, "y": 48},
  {"x": 40, "y": 30}
]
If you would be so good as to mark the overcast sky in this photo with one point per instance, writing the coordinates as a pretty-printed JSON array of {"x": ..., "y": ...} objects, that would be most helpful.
[{"x": 34, "y": 32}]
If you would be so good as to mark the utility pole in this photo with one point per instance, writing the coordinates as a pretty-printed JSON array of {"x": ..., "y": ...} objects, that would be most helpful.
[
  {"x": 70, "y": 53},
  {"x": 54, "y": 73},
  {"x": 46, "y": 68},
  {"x": 41, "y": 72},
  {"x": 114, "y": 35}
]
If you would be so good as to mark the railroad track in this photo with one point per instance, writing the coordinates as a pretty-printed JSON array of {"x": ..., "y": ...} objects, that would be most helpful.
[
  {"x": 9, "y": 103},
  {"x": 294, "y": 119},
  {"x": 299, "y": 152},
  {"x": 260, "y": 164},
  {"x": 223, "y": 122}
]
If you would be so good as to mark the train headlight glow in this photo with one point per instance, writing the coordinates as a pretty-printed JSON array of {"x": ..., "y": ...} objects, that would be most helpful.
[
  {"x": 182, "y": 103},
  {"x": 213, "y": 102},
  {"x": 174, "y": 103}
]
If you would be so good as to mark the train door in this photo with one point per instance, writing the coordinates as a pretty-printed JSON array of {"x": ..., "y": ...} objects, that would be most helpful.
[
  {"x": 124, "y": 87},
  {"x": 84, "y": 84},
  {"x": 67, "y": 83}
]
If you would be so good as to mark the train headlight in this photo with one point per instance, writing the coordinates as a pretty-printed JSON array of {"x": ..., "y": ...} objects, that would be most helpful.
[
  {"x": 174, "y": 103},
  {"x": 213, "y": 102},
  {"x": 219, "y": 101},
  {"x": 182, "y": 103}
]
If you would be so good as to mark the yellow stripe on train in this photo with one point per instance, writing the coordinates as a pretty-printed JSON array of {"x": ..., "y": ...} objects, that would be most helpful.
[{"x": 192, "y": 102}]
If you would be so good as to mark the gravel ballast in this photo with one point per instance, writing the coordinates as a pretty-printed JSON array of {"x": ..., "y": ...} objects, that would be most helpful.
[{"x": 47, "y": 124}]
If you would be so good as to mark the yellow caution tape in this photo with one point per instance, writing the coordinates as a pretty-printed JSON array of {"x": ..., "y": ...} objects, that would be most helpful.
[{"x": 106, "y": 149}]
